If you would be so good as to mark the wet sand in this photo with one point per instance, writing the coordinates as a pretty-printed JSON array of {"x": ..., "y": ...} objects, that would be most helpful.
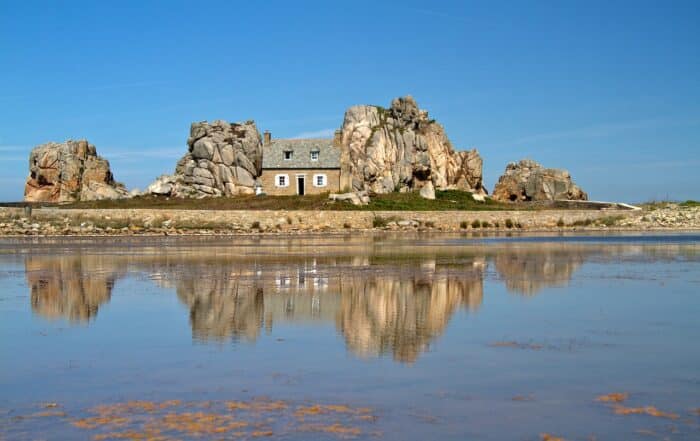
[{"x": 340, "y": 336}]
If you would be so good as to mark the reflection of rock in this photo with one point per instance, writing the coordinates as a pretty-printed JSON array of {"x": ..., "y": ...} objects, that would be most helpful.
[
  {"x": 71, "y": 287},
  {"x": 527, "y": 272},
  {"x": 402, "y": 314},
  {"x": 222, "y": 306},
  {"x": 380, "y": 303}
]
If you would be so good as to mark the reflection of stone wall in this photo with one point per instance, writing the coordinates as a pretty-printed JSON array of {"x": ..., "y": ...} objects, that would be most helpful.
[
  {"x": 71, "y": 287},
  {"x": 527, "y": 272}
]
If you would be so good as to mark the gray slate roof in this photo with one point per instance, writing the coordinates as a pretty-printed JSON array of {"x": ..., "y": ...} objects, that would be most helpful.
[{"x": 328, "y": 157}]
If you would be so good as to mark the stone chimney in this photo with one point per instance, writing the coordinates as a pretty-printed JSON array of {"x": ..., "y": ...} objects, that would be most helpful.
[
  {"x": 267, "y": 138},
  {"x": 337, "y": 138}
]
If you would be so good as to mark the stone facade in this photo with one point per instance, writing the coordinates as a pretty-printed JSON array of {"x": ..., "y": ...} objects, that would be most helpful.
[{"x": 268, "y": 178}]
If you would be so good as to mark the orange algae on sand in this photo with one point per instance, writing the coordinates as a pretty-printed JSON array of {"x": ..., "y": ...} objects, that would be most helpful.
[
  {"x": 100, "y": 421},
  {"x": 550, "y": 437},
  {"x": 198, "y": 423},
  {"x": 336, "y": 428},
  {"x": 647, "y": 410},
  {"x": 614, "y": 397}
]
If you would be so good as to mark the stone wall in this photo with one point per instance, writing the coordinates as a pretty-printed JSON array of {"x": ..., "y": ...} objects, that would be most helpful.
[
  {"x": 267, "y": 180},
  {"x": 301, "y": 220}
]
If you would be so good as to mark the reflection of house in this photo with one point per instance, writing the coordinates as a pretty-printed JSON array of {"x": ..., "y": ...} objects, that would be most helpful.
[{"x": 300, "y": 166}]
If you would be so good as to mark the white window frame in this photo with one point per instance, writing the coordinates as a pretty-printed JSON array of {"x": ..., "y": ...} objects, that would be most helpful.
[
  {"x": 315, "y": 153},
  {"x": 286, "y": 180},
  {"x": 291, "y": 155},
  {"x": 324, "y": 180}
]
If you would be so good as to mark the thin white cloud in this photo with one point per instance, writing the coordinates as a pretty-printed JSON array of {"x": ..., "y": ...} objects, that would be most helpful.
[
  {"x": 14, "y": 148},
  {"x": 323, "y": 133},
  {"x": 131, "y": 154},
  {"x": 601, "y": 130},
  {"x": 645, "y": 165}
]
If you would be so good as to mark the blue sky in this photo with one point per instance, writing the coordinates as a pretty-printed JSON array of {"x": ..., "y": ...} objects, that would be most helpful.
[{"x": 608, "y": 90}]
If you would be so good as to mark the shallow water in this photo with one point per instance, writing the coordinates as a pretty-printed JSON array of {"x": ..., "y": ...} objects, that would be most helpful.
[{"x": 377, "y": 337}]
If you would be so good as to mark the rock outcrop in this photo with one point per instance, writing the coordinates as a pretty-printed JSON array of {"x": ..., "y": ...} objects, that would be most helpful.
[
  {"x": 529, "y": 181},
  {"x": 68, "y": 172},
  {"x": 224, "y": 159},
  {"x": 400, "y": 148}
]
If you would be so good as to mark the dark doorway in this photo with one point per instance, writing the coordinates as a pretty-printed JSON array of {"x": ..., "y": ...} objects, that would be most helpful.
[{"x": 300, "y": 185}]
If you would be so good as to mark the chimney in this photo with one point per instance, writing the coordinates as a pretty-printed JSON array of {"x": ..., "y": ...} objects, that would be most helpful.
[
  {"x": 267, "y": 138},
  {"x": 337, "y": 138}
]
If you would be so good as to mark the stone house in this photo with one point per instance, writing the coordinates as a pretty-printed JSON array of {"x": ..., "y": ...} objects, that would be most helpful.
[{"x": 300, "y": 166}]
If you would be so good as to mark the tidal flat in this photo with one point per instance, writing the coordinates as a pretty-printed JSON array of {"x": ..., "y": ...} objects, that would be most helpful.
[{"x": 401, "y": 336}]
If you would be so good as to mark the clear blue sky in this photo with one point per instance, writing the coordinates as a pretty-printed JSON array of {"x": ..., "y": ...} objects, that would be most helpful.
[{"x": 609, "y": 90}]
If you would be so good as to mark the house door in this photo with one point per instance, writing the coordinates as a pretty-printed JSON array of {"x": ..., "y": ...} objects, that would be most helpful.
[{"x": 300, "y": 185}]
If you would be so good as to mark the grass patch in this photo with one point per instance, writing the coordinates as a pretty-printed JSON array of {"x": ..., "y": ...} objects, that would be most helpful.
[
  {"x": 381, "y": 222},
  {"x": 409, "y": 201},
  {"x": 690, "y": 203}
]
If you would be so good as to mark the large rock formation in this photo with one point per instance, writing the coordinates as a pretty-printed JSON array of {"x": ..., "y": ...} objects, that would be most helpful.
[
  {"x": 529, "y": 181},
  {"x": 400, "y": 148},
  {"x": 224, "y": 159},
  {"x": 70, "y": 171}
]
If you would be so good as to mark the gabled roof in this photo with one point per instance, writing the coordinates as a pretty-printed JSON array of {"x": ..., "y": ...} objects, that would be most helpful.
[{"x": 328, "y": 154}]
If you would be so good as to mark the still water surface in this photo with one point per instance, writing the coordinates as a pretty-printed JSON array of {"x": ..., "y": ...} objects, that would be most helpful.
[{"x": 336, "y": 337}]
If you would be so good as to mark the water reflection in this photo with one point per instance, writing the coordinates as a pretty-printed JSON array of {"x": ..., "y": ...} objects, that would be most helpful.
[{"x": 382, "y": 299}]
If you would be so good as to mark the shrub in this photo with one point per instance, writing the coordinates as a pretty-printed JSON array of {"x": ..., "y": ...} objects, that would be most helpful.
[
  {"x": 381, "y": 222},
  {"x": 476, "y": 224},
  {"x": 496, "y": 224},
  {"x": 560, "y": 222},
  {"x": 255, "y": 225},
  {"x": 485, "y": 224},
  {"x": 430, "y": 224},
  {"x": 609, "y": 221},
  {"x": 509, "y": 223},
  {"x": 463, "y": 225},
  {"x": 347, "y": 225}
]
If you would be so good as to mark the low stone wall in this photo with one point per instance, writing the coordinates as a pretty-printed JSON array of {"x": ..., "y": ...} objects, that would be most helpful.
[{"x": 298, "y": 220}]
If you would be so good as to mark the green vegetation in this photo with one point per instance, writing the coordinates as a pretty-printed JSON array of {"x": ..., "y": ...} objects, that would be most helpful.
[
  {"x": 560, "y": 223},
  {"x": 463, "y": 225},
  {"x": 485, "y": 224},
  {"x": 609, "y": 221},
  {"x": 410, "y": 201},
  {"x": 476, "y": 224},
  {"x": 509, "y": 223},
  {"x": 381, "y": 222},
  {"x": 690, "y": 203}
]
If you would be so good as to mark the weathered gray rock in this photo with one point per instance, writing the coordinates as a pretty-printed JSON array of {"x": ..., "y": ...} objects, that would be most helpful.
[
  {"x": 400, "y": 149},
  {"x": 68, "y": 172},
  {"x": 529, "y": 181},
  {"x": 428, "y": 191},
  {"x": 224, "y": 159}
]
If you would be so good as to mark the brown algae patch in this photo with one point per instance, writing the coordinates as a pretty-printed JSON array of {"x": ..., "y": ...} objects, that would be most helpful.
[
  {"x": 516, "y": 345},
  {"x": 646, "y": 410},
  {"x": 614, "y": 397},
  {"x": 550, "y": 437},
  {"x": 256, "y": 418}
]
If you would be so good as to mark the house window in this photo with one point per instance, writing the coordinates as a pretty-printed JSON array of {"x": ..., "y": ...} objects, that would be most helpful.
[
  {"x": 314, "y": 156},
  {"x": 288, "y": 155},
  {"x": 320, "y": 180},
  {"x": 282, "y": 181}
]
